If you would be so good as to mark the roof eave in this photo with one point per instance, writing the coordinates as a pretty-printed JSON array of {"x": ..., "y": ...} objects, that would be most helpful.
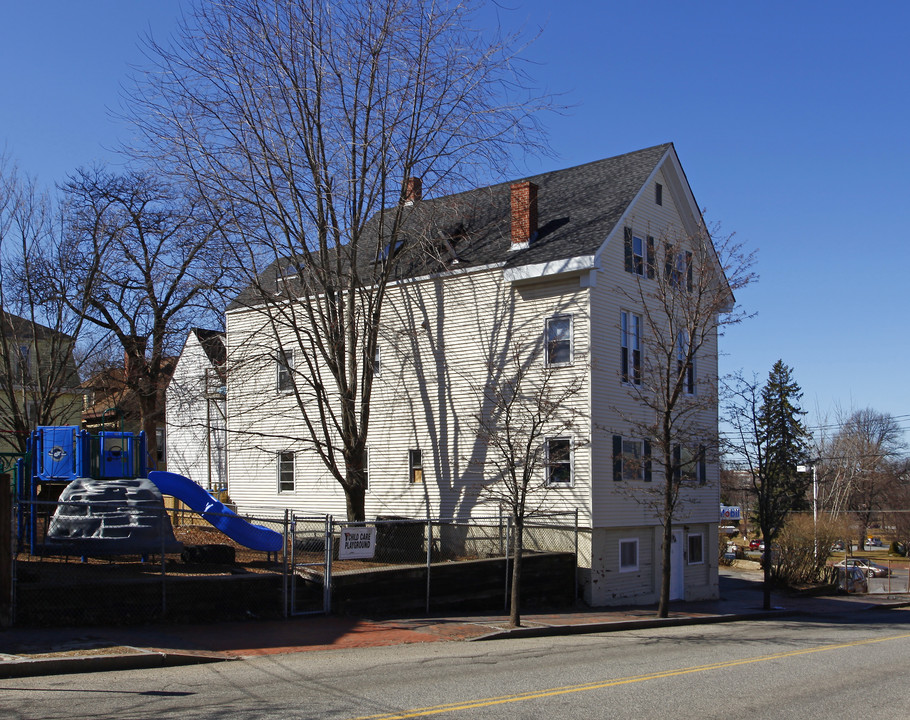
[{"x": 538, "y": 271}]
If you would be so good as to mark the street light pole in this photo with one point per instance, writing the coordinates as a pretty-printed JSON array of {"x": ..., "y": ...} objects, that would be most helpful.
[{"x": 813, "y": 465}]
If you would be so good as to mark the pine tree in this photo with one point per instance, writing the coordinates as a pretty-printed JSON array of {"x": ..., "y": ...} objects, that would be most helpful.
[{"x": 782, "y": 447}]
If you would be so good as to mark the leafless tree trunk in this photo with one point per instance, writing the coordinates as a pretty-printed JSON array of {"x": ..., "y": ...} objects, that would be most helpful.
[
  {"x": 686, "y": 298},
  {"x": 315, "y": 127},
  {"x": 524, "y": 403}
]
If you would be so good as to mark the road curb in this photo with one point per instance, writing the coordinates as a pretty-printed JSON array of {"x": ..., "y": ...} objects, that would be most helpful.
[
  {"x": 618, "y": 625},
  {"x": 31, "y": 667}
]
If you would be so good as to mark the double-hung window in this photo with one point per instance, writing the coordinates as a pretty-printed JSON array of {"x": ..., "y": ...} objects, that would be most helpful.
[
  {"x": 559, "y": 340},
  {"x": 285, "y": 472},
  {"x": 690, "y": 464},
  {"x": 415, "y": 465},
  {"x": 639, "y": 254},
  {"x": 631, "y": 459},
  {"x": 285, "y": 370},
  {"x": 685, "y": 369},
  {"x": 696, "y": 554},
  {"x": 628, "y": 555},
  {"x": 559, "y": 461},
  {"x": 678, "y": 267},
  {"x": 630, "y": 347}
]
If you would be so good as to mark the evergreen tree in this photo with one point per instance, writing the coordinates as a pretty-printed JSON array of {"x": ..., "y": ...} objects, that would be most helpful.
[{"x": 782, "y": 446}]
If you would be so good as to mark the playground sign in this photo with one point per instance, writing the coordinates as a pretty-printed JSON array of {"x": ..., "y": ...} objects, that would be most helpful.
[{"x": 357, "y": 543}]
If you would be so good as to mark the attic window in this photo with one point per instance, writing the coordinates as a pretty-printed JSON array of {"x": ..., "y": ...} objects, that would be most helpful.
[{"x": 658, "y": 193}]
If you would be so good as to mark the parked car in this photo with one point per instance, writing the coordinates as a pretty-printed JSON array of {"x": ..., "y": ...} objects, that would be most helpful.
[
  {"x": 850, "y": 579},
  {"x": 757, "y": 545},
  {"x": 867, "y": 566},
  {"x": 874, "y": 541},
  {"x": 838, "y": 546}
]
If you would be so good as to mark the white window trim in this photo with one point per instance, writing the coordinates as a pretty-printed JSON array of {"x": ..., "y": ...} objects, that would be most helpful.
[
  {"x": 546, "y": 335},
  {"x": 639, "y": 268},
  {"x": 366, "y": 467},
  {"x": 377, "y": 362},
  {"x": 287, "y": 366},
  {"x": 412, "y": 467},
  {"x": 293, "y": 471},
  {"x": 623, "y": 541},
  {"x": 682, "y": 349},
  {"x": 689, "y": 559},
  {"x": 626, "y": 334},
  {"x": 571, "y": 482}
]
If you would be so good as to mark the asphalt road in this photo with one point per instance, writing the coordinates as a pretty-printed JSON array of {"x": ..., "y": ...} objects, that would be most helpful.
[{"x": 807, "y": 668}]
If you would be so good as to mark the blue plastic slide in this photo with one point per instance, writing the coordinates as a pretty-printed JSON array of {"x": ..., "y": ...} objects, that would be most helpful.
[{"x": 216, "y": 513}]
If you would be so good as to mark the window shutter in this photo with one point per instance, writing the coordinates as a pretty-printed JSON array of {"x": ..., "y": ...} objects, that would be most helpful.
[
  {"x": 689, "y": 271},
  {"x": 617, "y": 457},
  {"x": 652, "y": 261},
  {"x": 702, "y": 466},
  {"x": 647, "y": 444},
  {"x": 630, "y": 267},
  {"x": 677, "y": 463},
  {"x": 668, "y": 261}
]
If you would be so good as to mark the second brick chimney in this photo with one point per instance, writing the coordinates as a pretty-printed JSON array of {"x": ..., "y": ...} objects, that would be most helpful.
[
  {"x": 524, "y": 212},
  {"x": 413, "y": 191}
]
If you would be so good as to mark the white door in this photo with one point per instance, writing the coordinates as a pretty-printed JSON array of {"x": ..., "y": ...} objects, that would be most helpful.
[{"x": 677, "y": 579}]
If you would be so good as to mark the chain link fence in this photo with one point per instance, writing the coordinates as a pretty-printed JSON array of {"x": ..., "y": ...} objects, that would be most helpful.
[
  {"x": 401, "y": 564},
  {"x": 88, "y": 563}
]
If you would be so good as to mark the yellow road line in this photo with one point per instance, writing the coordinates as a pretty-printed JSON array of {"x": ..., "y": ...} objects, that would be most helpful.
[{"x": 600, "y": 684}]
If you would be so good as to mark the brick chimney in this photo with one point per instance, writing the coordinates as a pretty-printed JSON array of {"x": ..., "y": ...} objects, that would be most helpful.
[
  {"x": 413, "y": 191},
  {"x": 524, "y": 212}
]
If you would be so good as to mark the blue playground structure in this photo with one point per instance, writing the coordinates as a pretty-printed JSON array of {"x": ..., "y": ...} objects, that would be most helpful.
[
  {"x": 58, "y": 455},
  {"x": 65, "y": 463}
]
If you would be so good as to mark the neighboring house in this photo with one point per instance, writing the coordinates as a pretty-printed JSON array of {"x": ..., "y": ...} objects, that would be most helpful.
[
  {"x": 108, "y": 404},
  {"x": 196, "y": 399},
  {"x": 540, "y": 261},
  {"x": 39, "y": 382}
]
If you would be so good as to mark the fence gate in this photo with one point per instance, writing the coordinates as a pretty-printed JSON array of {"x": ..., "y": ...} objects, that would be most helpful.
[{"x": 310, "y": 573}]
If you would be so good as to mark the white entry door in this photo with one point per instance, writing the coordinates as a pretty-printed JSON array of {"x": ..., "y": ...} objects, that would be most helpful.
[{"x": 677, "y": 579}]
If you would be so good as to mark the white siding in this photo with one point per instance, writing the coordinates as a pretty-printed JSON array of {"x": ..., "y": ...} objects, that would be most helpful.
[
  {"x": 614, "y": 406},
  {"x": 195, "y": 424},
  {"x": 440, "y": 341}
]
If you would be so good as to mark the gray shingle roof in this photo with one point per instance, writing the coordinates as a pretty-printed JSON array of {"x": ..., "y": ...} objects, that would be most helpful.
[{"x": 578, "y": 208}]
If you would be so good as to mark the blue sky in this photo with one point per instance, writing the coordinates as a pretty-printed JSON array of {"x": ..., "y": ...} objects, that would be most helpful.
[{"x": 791, "y": 119}]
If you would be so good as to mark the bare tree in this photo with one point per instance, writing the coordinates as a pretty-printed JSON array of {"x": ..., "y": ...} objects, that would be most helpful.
[
  {"x": 141, "y": 267},
  {"x": 39, "y": 378},
  {"x": 315, "y": 127},
  {"x": 686, "y": 295},
  {"x": 861, "y": 465},
  {"x": 524, "y": 405},
  {"x": 898, "y": 514}
]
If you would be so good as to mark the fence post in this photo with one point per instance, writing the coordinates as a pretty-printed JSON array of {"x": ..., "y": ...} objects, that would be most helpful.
[
  {"x": 508, "y": 552},
  {"x": 327, "y": 575},
  {"x": 429, "y": 559},
  {"x": 284, "y": 564},
  {"x": 6, "y": 551},
  {"x": 576, "y": 554}
]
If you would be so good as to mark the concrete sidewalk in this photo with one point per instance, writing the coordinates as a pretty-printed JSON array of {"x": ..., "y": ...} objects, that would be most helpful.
[{"x": 48, "y": 651}]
